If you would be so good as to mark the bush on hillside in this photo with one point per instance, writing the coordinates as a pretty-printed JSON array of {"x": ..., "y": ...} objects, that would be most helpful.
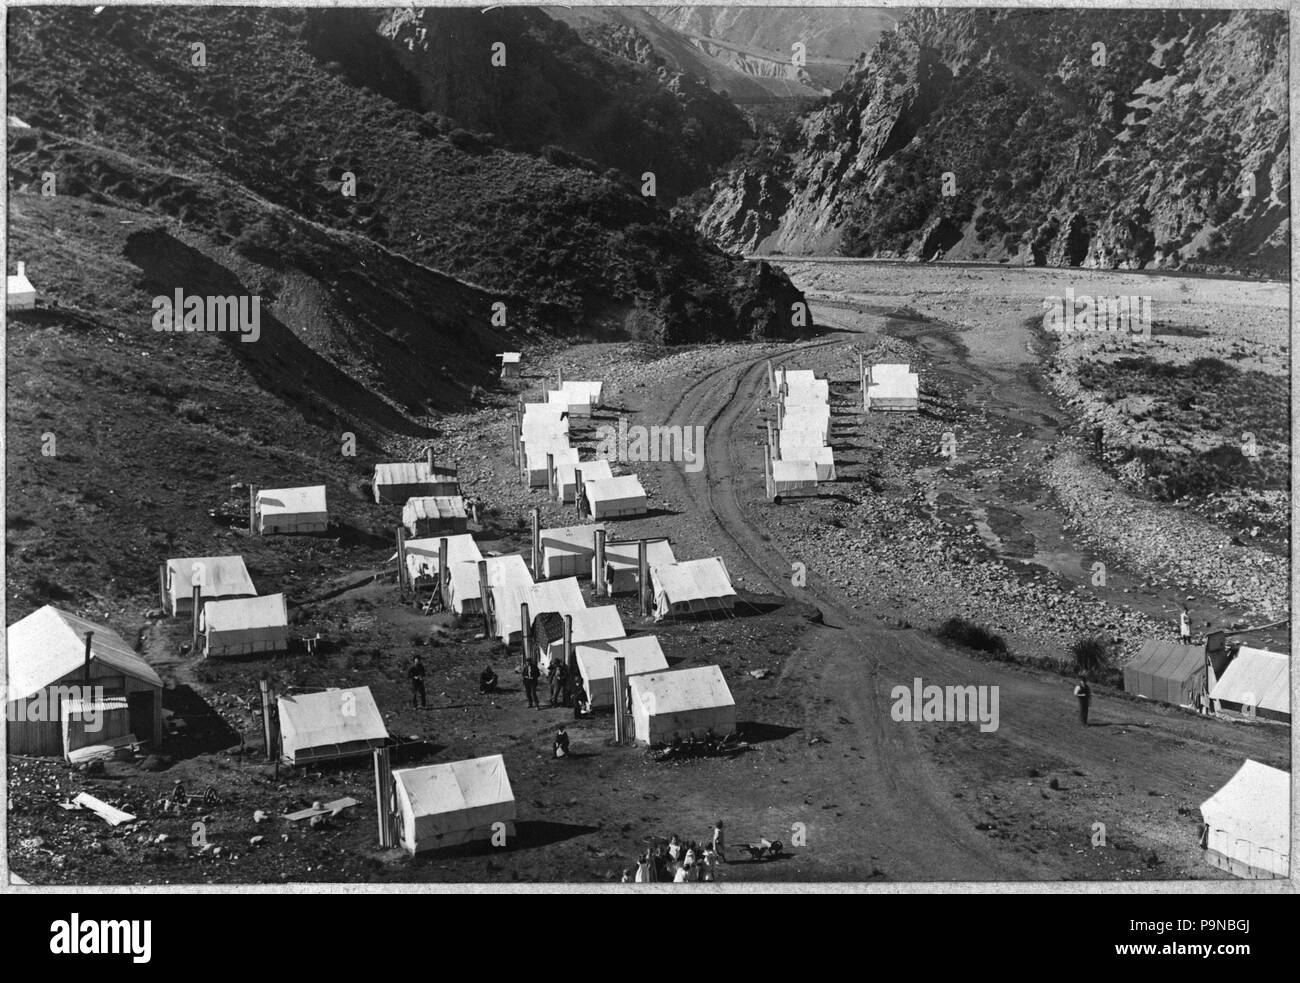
[{"x": 971, "y": 635}]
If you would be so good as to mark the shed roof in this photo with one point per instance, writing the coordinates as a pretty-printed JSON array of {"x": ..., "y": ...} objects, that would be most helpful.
[
  {"x": 412, "y": 473},
  {"x": 681, "y": 690},
  {"x": 243, "y": 613},
  {"x": 433, "y": 507},
  {"x": 291, "y": 501},
  {"x": 691, "y": 580},
  {"x": 334, "y": 717},
  {"x": 456, "y": 786},
  {"x": 221, "y": 576},
  {"x": 626, "y": 487},
  {"x": 50, "y": 643}
]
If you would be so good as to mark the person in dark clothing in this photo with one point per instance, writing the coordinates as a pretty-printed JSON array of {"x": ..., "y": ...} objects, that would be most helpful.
[
  {"x": 560, "y": 747},
  {"x": 551, "y": 679},
  {"x": 561, "y": 685},
  {"x": 1085, "y": 697},
  {"x": 487, "y": 681},
  {"x": 531, "y": 675},
  {"x": 579, "y": 698},
  {"x": 416, "y": 674}
]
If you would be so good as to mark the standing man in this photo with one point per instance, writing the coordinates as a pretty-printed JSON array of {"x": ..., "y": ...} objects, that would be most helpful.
[
  {"x": 1185, "y": 627},
  {"x": 531, "y": 675},
  {"x": 416, "y": 674},
  {"x": 1085, "y": 697},
  {"x": 719, "y": 842}
]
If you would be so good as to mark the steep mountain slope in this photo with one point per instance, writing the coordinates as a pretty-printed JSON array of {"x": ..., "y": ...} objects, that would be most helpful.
[
  {"x": 551, "y": 89},
  {"x": 265, "y": 122},
  {"x": 1055, "y": 157}
]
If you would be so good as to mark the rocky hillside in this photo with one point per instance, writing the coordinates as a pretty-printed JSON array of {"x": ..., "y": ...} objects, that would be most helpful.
[
  {"x": 258, "y": 134},
  {"x": 1059, "y": 152}
]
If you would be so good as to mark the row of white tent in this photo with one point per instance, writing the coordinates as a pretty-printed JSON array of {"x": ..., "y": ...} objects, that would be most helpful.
[
  {"x": 548, "y": 460},
  {"x": 799, "y": 455},
  {"x": 233, "y": 619}
]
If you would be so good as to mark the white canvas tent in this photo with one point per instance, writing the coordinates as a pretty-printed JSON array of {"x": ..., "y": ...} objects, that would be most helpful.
[
  {"x": 46, "y": 659},
  {"x": 580, "y": 396},
  {"x": 563, "y": 596},
  {"x": 567, "y": 551},
  {"x": 291, "y": 510},
  {"x": 218, "y": 577},
  {"x": 596, "y": 624},
  {"x": 614, "y": 498},
  {"x": 792, "y": 440},
  {"x": 1248, "y": 823},
  {"x": 791, "y": 477},
  {"x": 245, "y": 625},
  {"x": 810, "y": 419},
  {"x": 464, "y": 589},
  {"x": 454, "y": 803},
  {"x": 422, "y": 554},
  {"x": 337, "y": 723},
  {"x": 691, "y": 587},
  {"x": 566, "y": 476},
  {"x": 893, "y": 386},
  {"x": 622, "y": 560},
  {"x": 595, "y": 660},
  {"x": 1257, "y": 682},
  {"x": 395, "y": 482},
  {"x": 681, "y": 703},
  {"x": 434, "y": 515},
  {"x": 535, "y": 454},
  {"x": 509, "y": 365},
  {"x": 19, "y": 292}
]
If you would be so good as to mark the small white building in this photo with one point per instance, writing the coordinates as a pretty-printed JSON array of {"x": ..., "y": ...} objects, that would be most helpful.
[
  {"x": 559, "y": 596},
  {"x": 567, "y": 551},
  {"x": 793, "y": 477},
  {"x": 566, "y": 477},
  {"x": 541, "y": 454},
  {"x": 217, "y": 577},
  {"x": 395, "y": 482},
  {"x": 681, "y": 703},
  {"x": 435, "y": 515},
  {"x": 506, "y": 572},
  {"x": 615, "y": 498},
  {"x": 622, "y": 563},
  {"x": 20, "y": 295},
  {"x": 640, "y": 654},
  {"x": 597, "y": 624},
  {"x": 692, "y": 587},
  {"x": 454, "y": 803},
  {"x": 422, "y": 554},
  {"x": 291, "y": 510},
  {"x": 509, "y": 365},
  {"x": 337, "y": 723},
  {"x": 245, "y": 625},
  {"x": 892, "y": 386}
]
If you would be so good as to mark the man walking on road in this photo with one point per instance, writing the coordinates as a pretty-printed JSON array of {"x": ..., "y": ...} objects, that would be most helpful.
[
  {"x": 1085, "y": 697},
  {"x": 416, "y": 674}
]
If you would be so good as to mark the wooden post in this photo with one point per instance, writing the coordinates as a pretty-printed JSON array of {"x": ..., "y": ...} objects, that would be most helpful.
[
  {"x": 643, "y": 575},
  {"x": 85, "y": 669},
  {"x": 197, "y": 606},
  {"x": 485, "y": 597},
  {"x": 401, "y": 560},
  {"x": 570, "y": 659},
  {"x": 598, "y": 564},
  {"x": 264, "y": 686},
  {"x": 771, "y": 379},
  {"x": 428, "y": 458},
  {"x": 550, "y": 475},
  {"x": 252, "y": 510},
  {"x": 862, "y": 381},
  {"x": 514, "y": 443},
  {"x": 577, "y": 483},
  {"x": 866, "y": 387},
  {"x": 537, "y": 543},
  {"x": 383, "y": 796},
  {"x": 444, "y": 575},
  {"x": 526, "y": 652},
  {"x": 767, "y": 470},
  {"x": 559, "y": 374},
  {"x": 620, "y": 701},
  {"x": 162, "y": 589},
  {"x": 780, "y": 415}
]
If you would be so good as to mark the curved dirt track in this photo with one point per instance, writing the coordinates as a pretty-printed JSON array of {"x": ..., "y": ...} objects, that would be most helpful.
[{"x": 847, "y": 668}]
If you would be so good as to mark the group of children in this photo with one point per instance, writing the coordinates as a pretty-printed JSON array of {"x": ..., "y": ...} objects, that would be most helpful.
[{"x": 681, "y": 862}]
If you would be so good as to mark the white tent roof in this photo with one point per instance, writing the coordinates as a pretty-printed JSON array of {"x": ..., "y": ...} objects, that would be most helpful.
[
  {"x": 624, "y": 488},
  {"x": 411, "y": 473},
  {"x": 461, "y": 548},
  {"x": 681, "y": 690},
  {"x": 1258, "y": 677},
  {"x": 291, "y": 501},
  {"x": 626, "y": 554},
  {"x": 1254, "y": 806},
  {"x": 243, "y": 613},
  {"x": 455, "y": 786},
  {"x": 48, "y": 644},
  {"x": 433, "y": 507},
  {"x": 577, "y": 391},
  {"x": 223, "y": 576},
  {"x": 503, "y": 570},
  {"x": 595, "y": 624},
  {"x": 591, "y": 471},
  {"x": 509, "y": 358},
  {"x": 535, "y": 453},
  {"x": 18, "y": 285},
  {"x": 796, "y": 378},
  {"x": 570, "y": 539},
  {"x": 641, "y": 654},
  {"x": 790, "y": 439},
  {"x": 330, "y": 718},
  {"x": 563, "y": 596},
  {"x": 692, "y": 580},
  {"x": 792, "y": 472},
  {"x": 893, "y": 381}
]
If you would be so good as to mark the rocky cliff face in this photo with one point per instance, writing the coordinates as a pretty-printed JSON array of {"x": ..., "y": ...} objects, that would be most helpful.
[{"x": 1094, "y": 138}]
